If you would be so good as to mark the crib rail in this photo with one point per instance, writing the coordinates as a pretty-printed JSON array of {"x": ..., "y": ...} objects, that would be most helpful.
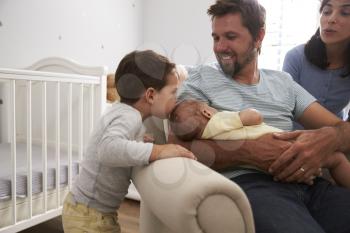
[
  {"x": 91, "y": 86},
  {"x": 19, "y": 74}
]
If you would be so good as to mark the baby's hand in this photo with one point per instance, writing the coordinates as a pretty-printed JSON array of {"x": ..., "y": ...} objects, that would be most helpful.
[
  {"x": 169, "y": 151},
  {"x": 148, "y": 138},
  {"x": 250, "y": 116}
]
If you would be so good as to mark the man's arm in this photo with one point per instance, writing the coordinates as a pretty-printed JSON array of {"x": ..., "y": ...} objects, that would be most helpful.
[
  {"x": 219, "y": 154},
  {"x": 311, "y": 147},
  {"x": 316, "y": 116}
]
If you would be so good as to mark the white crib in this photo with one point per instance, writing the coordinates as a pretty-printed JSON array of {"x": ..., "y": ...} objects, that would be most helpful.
[{"x": 47, "y": 113}]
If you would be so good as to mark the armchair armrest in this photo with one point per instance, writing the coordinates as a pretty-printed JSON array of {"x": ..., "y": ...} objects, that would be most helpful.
[{"x": 181, "y": 195}]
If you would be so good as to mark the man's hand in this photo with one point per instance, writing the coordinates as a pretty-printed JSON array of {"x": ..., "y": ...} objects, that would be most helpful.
[
  {"x": 306, "y": 156},
  {"x": 265, "y": 150}
]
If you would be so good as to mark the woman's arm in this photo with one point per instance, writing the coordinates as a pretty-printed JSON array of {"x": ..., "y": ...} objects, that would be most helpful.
[
  {"x": 339, "y": 167},
  {"x": 312, "y": 147}
]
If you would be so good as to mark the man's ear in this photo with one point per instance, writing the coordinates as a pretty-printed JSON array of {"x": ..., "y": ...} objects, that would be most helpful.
[
  {"x": 206, "y": 113},
  {"x": 149, "y": 95},
  {"x": 259, "y": 39}
]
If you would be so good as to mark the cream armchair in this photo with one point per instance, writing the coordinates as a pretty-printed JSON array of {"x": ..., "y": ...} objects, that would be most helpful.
[{"x": 180, "y": 195}]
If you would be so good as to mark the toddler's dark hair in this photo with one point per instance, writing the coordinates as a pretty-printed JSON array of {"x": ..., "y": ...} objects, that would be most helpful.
[{"x": 140, "y": 70}]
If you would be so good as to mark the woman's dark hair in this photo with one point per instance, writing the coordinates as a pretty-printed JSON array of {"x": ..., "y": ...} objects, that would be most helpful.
[
  {"x": 315, "y": 50},
  {"x": 140, "y": 70},
  {"x": 252, "y": 13}
]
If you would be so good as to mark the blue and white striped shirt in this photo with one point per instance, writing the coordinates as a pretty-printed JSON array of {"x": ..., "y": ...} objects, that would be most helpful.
[{"x": 277, "y": 97}]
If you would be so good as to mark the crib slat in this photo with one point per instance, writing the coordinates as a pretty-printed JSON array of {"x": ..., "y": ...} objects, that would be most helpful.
[
  {"x": 70, "y": 105},
  {"x": 102, "y": 95},
  {"x": 91, "y": 106},
  {"x": 81, "y": 122},
  {"x": 13, "y": 150},
  {"x": 58, "y": 142},
  {"x": 29, "y": 147},
  {"x": 92, "y": 103},
  {"x": 44, "y": 141}
]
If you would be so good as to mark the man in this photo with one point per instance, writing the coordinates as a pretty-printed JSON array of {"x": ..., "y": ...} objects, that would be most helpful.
[{"x": 290, "y": 159}]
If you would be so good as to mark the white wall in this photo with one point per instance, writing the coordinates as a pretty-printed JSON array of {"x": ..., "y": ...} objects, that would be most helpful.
[
  {"x": 2, "y": 116},
  {"x": 284, "y": 30},
  {"x": 93, "y": 32},
  {"x": 180, "y": 29},
  {"x": 101, "y": 32}
]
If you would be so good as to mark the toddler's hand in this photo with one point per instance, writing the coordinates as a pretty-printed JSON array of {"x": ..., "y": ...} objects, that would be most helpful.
[{"x": 169, "y": 151}]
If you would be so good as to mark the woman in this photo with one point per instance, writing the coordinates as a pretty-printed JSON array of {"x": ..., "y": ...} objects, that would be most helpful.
[{"x": 322, "y": 66}]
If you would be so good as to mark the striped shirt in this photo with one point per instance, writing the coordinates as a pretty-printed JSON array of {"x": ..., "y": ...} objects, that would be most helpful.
[{"x": 276, "y": 96}]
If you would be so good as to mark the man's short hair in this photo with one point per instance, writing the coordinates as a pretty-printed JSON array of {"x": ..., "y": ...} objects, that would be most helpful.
[{"x": 252, "y": 13}]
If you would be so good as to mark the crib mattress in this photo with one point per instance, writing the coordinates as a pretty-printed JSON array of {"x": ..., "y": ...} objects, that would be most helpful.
[
  {"x": 23, "y": 207},
  {"x": 37, "y": 169}
]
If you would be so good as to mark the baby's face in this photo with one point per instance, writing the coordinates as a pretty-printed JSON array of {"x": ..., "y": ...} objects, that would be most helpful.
[{"x": 165, "y": 99}]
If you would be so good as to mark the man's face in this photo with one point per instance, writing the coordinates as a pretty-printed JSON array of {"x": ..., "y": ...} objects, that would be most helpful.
[{"x": 233, "y": 44}]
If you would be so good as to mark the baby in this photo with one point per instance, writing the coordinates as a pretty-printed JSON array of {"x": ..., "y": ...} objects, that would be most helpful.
[{"x": 192, "y": 119}]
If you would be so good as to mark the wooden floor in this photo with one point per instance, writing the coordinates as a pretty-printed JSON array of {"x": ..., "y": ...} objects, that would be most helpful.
[{"x": 129, "y": 214}]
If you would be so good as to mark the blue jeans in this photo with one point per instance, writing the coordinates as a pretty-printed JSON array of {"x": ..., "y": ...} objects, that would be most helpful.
[{"x": 296, "y": 208}]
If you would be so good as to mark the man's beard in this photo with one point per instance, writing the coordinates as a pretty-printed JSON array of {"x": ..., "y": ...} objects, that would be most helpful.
[
  {"x": 230, "y": 69},
  {"x": 235, "y": 68}
]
